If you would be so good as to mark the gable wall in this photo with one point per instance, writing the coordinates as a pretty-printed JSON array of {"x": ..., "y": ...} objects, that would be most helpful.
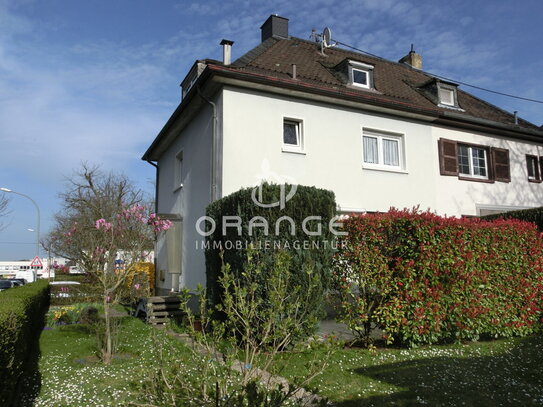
[{"x": 188, "y": 202}]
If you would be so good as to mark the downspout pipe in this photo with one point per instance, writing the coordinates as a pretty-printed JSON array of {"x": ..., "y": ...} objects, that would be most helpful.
[{"x": 213, "y": 181}]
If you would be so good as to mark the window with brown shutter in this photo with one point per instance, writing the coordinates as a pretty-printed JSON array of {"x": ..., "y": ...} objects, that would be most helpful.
[
  {"x": 500, "y": 163},
  {"x": 448, "y": 161}
]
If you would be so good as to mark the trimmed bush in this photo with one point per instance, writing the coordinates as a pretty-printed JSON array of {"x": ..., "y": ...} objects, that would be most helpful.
[
  {"x": 425, "y": 279},
  {"x": 307, "y": 252},
  {"x": 534, "y": 215},
  {"x": 22, "y": 318}
]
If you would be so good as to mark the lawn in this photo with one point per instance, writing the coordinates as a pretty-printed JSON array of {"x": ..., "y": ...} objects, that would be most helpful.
[
  {"x": 497, "y": 373},
  {"x": 502, "y": 372},
  {"x": 71, "y": 374}
]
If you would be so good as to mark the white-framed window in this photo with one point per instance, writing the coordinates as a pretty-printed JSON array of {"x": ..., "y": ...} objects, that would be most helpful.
[
  {"x": 383, "y": 150},
  {"x": 472, "y": 161},
  {"x": 293, "y": 135},
  {"x": 447, "y": 95},
  {"x": 360, "y": 74},
  {"x": 532, "y": 164},
  {"x": 178, "y": 171}
]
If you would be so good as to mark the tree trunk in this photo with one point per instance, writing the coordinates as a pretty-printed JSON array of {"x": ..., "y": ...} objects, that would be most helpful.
[{"x": 107, "y": 351}]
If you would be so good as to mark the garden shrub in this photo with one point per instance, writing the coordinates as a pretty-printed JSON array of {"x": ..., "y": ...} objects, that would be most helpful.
[
  {"x": 22, "y": 318},
  {"x": 425, "y": 279},
  {"x": 232, "y": 247},
  {"x": 534, "y": 215}
]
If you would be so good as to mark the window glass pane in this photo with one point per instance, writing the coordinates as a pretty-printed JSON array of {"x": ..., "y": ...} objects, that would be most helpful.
[
  {"x": 370, "y": 150},
  {"x": 463, "y": 160},
  {"x": 290, "y": 133},
  {"x": 533, "y": 172},
  {"x": 360, "y": 77},
  {"x": 479, "y": 161},
  {"x": 446, "y": 96},
  {"x": 391, "y": 154}
]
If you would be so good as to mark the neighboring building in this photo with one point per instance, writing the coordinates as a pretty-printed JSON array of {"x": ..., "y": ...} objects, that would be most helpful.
[
  {"x": 377, "y": 133},
  {"x": 26, "y": 268}
]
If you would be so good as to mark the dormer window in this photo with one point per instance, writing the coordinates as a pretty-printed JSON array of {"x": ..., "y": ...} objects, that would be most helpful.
[
  {"x": 447, "y": 95},
  {"x": 360, "y": 74}
]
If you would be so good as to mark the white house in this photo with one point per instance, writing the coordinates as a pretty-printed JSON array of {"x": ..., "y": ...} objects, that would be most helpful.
[{"x": 378, "y": 133}]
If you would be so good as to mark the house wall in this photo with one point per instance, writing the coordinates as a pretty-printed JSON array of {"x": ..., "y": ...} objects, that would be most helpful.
[
  {"x": 461, "y": 197},
  {"x": 253, "y": 130},
  {"x": 188, "y": 202}
]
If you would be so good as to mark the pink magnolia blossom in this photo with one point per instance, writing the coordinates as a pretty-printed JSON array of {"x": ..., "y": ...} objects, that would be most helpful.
[{"x": 102, "y": 223}]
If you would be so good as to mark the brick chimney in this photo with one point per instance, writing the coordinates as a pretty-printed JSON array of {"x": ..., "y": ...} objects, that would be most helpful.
[
  {"x": 274, "y": 26},
  {"x": 413, "y": 59}
]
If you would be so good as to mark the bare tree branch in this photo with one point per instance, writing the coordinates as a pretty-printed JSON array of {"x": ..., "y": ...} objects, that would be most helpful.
[{"x": 4, "y": 210}]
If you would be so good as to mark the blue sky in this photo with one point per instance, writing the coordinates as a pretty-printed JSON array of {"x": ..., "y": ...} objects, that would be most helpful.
[{"x": 95, "y": 80}]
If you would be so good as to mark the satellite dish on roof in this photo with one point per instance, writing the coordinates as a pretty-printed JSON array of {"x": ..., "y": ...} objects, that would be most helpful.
[{"x": 327, "y": 37}]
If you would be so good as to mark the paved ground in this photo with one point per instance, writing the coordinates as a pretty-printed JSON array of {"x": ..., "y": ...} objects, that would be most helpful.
[{"x": 330, "y": 326}]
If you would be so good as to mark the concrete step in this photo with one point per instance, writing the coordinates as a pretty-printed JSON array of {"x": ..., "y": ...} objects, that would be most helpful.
[
  {"x": 161, "y": 300},
  {"x": 154, "y": 313}
]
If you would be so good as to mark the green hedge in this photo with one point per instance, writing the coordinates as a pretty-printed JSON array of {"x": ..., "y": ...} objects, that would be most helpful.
[
  {"x": 426, "y": 279},
  {"x": 22, "y": 318},
  {"x": 316, "y": 255},
  {"x": 534, "y": 215}
]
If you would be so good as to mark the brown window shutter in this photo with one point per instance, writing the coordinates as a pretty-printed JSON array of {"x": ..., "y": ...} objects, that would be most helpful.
[
  {"x": 540, "y": 169},
  {"x": 500, "y": 164},
  {"x": 448, "y": 157}
]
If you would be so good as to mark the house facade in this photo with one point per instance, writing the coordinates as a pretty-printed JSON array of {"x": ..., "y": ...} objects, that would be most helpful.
[{"x": 378, "y": 133}]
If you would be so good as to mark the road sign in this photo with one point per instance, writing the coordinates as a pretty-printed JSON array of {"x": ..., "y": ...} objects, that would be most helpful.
[{"x": 36, "y": 262}]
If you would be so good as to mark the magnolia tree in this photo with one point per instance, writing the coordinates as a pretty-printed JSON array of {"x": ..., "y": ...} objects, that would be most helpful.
[
  {"x": 104, "y": 227},
  {"x": 113, "y": 245}
]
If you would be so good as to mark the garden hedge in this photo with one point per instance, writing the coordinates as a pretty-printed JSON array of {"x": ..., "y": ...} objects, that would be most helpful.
[
  {"x": 306, "y": 252},
  {"x": 22, "y": 318},
  {"x": 426, "y": 279},
  {"x": 534, "y": 215}
]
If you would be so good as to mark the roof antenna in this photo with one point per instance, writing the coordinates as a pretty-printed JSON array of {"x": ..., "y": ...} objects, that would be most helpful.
[{"x": 326, "y": 39}]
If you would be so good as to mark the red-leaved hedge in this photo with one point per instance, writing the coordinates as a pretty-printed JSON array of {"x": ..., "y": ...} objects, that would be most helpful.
[{"x": 423, "y": 278}]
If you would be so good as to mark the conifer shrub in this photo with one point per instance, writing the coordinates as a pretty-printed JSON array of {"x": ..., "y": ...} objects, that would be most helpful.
[
  {"x": 309, "y": 207},
  {"x": 534, "y": 215}
]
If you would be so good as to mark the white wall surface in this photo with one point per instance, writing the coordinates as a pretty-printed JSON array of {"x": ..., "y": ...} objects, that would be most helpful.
[
  {"x": 461, "y": 197},
  {"x": 333, "y": 157},
  {"x": 253, "y": 131},
  {"x": 190, "y": 201}
]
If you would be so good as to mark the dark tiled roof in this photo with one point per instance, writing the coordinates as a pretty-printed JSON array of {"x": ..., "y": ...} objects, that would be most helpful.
[{"x": 394, "y": 82}]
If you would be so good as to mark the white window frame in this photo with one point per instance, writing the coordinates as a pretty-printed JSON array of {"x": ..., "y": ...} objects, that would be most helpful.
[
  {"x": 470, "y": 162},
  {"x": 443, "y": 88},
  {"x": 361, "y": 67},
  {"x": 299, "y": 146},
  {"x": 385, "y": 135},
  {"x": 178, "y": 171},
  {"x": 537, "y": 172}
]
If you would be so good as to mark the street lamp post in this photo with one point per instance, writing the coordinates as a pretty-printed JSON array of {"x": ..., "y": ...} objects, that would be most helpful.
[{"x": 38, "y": 212}]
